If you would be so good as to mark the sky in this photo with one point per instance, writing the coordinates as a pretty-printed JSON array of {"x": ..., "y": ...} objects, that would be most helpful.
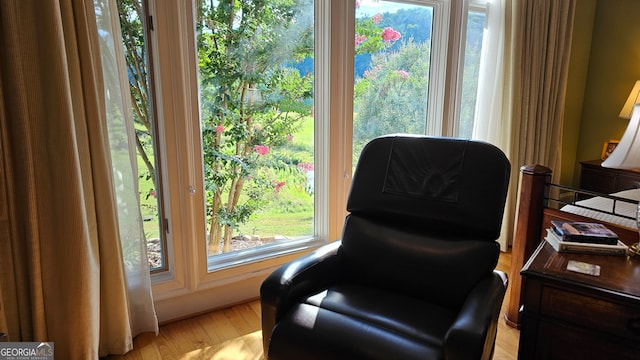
[{"x": 372, "y": 7}]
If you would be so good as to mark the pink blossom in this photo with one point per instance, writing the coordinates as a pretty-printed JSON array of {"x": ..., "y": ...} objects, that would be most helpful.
[
  {"x": 373, "y": 73},
  {"x": 360, "y": 39},
  {"x": 261, "y": 149},
  {"x": 388, "y": 34},
  {"x": 278, "y": 185},
  {"x": 306, "y": 167},
  {"x": 290, "y": 137},
  {"x": 219, "y": 129},
  {"x": 153, "y": 193},
  {"x": 403, "y": 74},
  {"x": 358, "y": 3},
  {"x": 376, "y": 18}
]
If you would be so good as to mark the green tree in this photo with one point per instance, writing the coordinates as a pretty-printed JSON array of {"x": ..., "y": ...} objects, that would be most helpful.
[
  {"x": 250, "y": 101},
  {"x": 390, "y": 97},
  {"x": 133, "y": 38}
]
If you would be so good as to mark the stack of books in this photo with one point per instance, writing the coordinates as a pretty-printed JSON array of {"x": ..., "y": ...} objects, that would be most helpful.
[{"x": 584, "y": 237}]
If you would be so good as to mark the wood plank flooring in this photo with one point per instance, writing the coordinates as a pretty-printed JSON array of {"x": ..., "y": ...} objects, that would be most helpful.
[{"x": 234, "y": 334}]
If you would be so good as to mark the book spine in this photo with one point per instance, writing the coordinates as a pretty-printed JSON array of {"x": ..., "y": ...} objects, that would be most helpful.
[
  {"x": 590, "y": 239},
  {"x": 591, "y": 250}
]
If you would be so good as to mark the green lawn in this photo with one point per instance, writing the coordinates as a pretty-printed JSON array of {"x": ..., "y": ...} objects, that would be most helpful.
[
  {"x": 148, "y": 204},
  {"x": 288, "y": 213}
]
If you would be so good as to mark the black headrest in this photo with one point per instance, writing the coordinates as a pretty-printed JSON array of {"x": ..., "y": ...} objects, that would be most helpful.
[{"x": 447, "y": 185}]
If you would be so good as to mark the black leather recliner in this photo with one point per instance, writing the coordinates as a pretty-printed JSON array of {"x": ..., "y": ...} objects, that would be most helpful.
[{"x": 414, "y": 274}]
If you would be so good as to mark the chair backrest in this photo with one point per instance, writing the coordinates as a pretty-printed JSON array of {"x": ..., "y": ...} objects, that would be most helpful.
[{"x": 424, "y": 215}]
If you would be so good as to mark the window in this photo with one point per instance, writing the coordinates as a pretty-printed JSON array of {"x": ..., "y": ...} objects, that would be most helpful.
[
  {"x": 391, "y": 70},
  {"x": 134, "y": 36},
  {"x": 227, "y": 77},
  {"x": 242, "y": 101},
  {"x": 256, "y": 76},
  {"x": 397, "y": 73}
]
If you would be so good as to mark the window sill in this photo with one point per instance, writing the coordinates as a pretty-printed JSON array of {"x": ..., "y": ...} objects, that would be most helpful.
[{"x": 275, "y": 250}]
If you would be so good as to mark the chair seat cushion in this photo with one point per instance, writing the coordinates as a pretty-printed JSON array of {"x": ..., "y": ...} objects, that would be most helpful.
[{"x": 358, "y": 322}]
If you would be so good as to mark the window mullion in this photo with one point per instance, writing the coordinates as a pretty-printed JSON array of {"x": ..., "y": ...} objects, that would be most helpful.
[
  {"x": 177, "y": 113},
  {"x": 341, "y": 111}
]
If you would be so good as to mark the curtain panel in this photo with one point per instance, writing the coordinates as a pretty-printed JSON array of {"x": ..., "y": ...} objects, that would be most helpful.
[
  {"x": 542, "y": 44},
  {"x": 524, "y": 70},
  {"x": 492, "y": 120},
  {"x": 62, "y": 273}
]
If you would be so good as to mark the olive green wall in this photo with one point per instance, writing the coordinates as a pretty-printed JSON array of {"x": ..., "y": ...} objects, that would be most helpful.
[
  {"x": 576, "y": 84},
  {"x": 613, "y": 68}
]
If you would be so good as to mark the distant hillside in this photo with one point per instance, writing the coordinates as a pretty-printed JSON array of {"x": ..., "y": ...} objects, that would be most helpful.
[{"x": 412, "y": 24}]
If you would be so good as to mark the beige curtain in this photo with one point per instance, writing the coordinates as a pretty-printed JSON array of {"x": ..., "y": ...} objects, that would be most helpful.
[
  {"x": 62, "y": 273},
  {"x": 527, "y": 94},
  {"x": 542, "y": 46}
]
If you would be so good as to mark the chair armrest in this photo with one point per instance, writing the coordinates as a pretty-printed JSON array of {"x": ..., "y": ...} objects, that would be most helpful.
[
  {"x": 292, "y": 281},
  {"x": 474, "y": 331}
]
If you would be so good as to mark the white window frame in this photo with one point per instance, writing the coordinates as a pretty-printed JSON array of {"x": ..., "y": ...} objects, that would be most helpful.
[
  {"x": 455, "y": 65},
  {"x": 189, "y": 286},
  {"x": 440, "y": 44}
]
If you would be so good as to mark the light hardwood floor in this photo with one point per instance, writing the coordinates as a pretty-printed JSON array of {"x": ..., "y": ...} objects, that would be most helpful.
[{"x": 234, "y": 334}]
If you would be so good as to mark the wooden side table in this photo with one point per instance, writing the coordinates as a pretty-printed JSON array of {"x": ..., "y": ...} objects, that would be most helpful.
[
  {"x": 568, "y": 315},
  {"x": 606, "y": 180}
]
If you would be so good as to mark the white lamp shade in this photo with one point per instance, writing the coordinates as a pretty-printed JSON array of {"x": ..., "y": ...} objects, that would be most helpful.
[
  {"x": 627, "y": 154},
  {"x": 634, "y": 98}
]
